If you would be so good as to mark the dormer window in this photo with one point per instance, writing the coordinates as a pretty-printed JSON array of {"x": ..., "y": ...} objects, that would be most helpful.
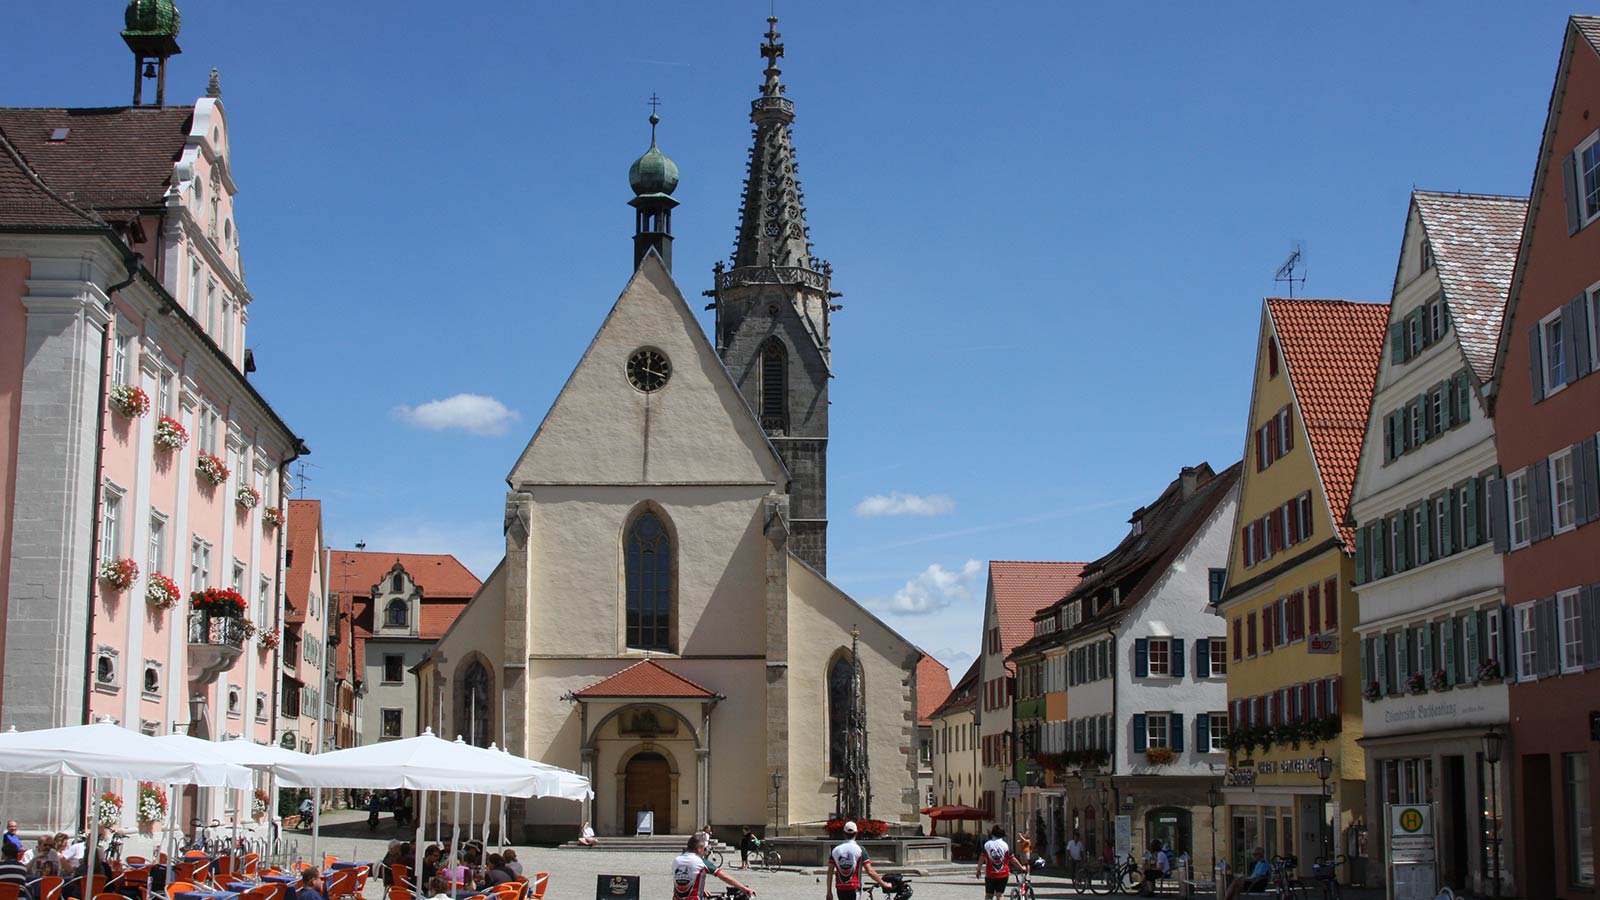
[
  {"x": 1425, "y": 255},
  {"x": 396, "y": 614},
  {"x": 398, "y": 583}
]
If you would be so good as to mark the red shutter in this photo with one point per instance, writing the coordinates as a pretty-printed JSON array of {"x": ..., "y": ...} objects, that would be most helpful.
[
  {"x": 1251, "y": 624},
  {"x": 1238, "y": 638},
  {"x": 1261, "y": 448},
  {"x": 1330, "y": 594},
  {"x": 1288, "y": 428},
  {"x": 1292, "y": 510},
  {"x": 1249, "y": 549},
  {"x": 1266, "y": 628},
  {"x": 1299, "y": 602},
  {"x": 1314, "y": 610},
  {"x": 1305, "y": 702}
]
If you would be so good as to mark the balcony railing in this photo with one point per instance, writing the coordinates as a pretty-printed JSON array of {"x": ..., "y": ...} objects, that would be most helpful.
[{"x": 215, "y": 644}]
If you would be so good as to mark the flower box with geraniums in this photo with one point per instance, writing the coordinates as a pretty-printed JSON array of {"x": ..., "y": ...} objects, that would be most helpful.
[
  {"x": 1489, "y": 671},
  {"x": 1417, "y": 683},
  {"x": 218, "y": 603},
  {"x": 170, "y": 435},
  {"x": 152, "y": 805},
  {"x": 269, "y": 639},
  {"x": 272, "y": 516},
  {"x": 1439, "y": 681},
  {"x": 108, "y": 809},
  {"x": 161, "y": 592},
  {"x": 118, "y": 574},
  {"x": 211, "y": 468},
  {"x": 247, "y": 497},
  {"x": 1373, "y": 692},
  {"x": 866, "y": 828},
  {"x": 1159, "y": 756},
  {"x": 128, "y": 400},
  {"x": 260, "y": 804}
]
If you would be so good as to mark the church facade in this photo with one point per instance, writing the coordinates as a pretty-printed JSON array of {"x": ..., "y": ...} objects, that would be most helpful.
[{"x": 661, "y": 621}]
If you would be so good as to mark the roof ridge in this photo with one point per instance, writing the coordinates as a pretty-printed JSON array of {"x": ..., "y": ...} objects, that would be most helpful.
[
  {"x": 38, "y": 181},
  {"x": 1471, "y": 195}
]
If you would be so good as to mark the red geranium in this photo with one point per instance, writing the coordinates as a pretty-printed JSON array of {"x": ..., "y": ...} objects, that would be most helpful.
[{"x": 219, "y": 602}]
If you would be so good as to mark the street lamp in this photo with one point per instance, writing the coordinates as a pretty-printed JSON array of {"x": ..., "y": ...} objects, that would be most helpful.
[
  {"x": 1325, "y": 772},
  {"x": 1493, "y": 745},
  {"x": 1105, "y": 817},
  {"x": 777, "y": 787},
  {"x": 1211, "y": 800}
]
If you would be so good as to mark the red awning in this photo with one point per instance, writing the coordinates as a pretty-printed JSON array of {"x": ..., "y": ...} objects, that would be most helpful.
[{"x": 946, "y": 813}]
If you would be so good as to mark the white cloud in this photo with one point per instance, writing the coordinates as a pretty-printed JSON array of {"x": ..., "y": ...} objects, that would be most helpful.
[
  {"x": 895, "y": 503},
  {"x": 934, "y": 589},
  {"x": 472, "y": 413}
]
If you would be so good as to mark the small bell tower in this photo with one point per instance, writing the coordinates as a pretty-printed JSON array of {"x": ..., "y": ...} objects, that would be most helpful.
[
  {"x": 151, "y": 32},
  {"x": 653, "y": 178}
]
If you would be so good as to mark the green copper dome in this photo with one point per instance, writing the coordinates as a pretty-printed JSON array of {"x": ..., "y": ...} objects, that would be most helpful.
[
  {"x": 154, "y": 17},
  {"x": 653, "y": 173}
]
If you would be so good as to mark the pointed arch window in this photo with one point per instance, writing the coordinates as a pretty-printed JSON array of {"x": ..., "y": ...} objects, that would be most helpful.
[
  {"x": 841, "y": 675},
  {"x": 475, "y": 705},
  {"x": 396, "y": 614},
  {"x": 649, "y": 585},
  {"x": 774, "y": 387}
]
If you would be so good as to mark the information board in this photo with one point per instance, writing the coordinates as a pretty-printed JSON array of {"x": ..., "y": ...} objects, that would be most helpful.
[
  {"x": 1412, "y": 860},
  {"x": 1124, "y": 839},
  {"x": 616, "y": 887}
]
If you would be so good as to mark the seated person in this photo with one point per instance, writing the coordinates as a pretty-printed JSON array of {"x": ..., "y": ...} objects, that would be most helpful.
[
  {"x": 586, "y": 836},
  {"x": 12, "y": 871},
  {"x": 497, "y": 872},
  {"x": 510, "y": 856},
  {"x": 1260, "y": 874},
  {"x": 430, "y": 862},
  {"x": 311, "y": 885},
  {"x": 439, "y": 888},
  {"x": 74, "y": 883},
  {"x": 1157, "y": 866}
]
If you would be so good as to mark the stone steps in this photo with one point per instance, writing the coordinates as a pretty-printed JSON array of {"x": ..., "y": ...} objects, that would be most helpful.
[{"x": 656, "y": 843}]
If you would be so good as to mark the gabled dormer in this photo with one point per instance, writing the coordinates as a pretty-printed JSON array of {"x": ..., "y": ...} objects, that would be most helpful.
[{"x": 396, "y": 604}]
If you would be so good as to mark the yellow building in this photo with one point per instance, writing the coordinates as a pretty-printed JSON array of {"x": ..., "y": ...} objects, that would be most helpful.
[{"x": 1294, "y": 668}]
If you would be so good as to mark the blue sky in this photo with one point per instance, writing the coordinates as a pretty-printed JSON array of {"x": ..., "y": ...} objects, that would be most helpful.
[{"x": 1053, "y": 224}]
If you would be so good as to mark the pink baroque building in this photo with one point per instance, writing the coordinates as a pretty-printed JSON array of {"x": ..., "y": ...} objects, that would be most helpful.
[{"x": 139, "y": 464}]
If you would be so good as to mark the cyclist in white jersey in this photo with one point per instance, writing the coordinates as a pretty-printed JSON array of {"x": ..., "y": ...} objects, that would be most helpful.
[
  {"x": 995, "y": 862},
  {"x": 845, "y": 865},
  {"x": 689, "y": 871}
]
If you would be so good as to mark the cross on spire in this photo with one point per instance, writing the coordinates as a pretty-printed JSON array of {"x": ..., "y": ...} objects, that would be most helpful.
[
  {"x": 655, "y": 103},
  {"x": 772, "y": 51}
]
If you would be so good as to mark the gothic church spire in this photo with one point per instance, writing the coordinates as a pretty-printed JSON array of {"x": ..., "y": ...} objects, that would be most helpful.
[{"x": 772, "y": 226}]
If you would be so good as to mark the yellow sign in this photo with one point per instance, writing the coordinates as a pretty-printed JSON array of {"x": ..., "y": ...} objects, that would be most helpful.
[{"x": 1411, "y": 820}]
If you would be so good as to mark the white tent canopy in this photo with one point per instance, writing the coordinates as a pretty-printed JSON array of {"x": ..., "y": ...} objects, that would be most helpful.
[
  {"x": 103, "y": 750},
  {"x": 430, "y": 763},
  {"x": 266, "y": 757}
]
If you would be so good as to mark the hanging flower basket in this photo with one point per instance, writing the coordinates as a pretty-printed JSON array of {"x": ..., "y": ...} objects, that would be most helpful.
[
  {"x": 118, "y": 574},
  {"x": 211, "y": 468},
  {"x": 1372, "y": 692},
  {"x": 152, "y": 803},
  {"x": 272, "y": 517},
  {"x": 261, "y": 804},
  {"x": 131, "y": 401},
  {"x": 1159, "y": 756},
  {"x": 269, "y": 639},
  {"x": 161, "y": 592},
  {"x": 1439, "y": 681},
  {"x": 108, "y": 809},
  {"x": 247, "y": 497},
  {"x": 170, "y": 435},
  {"x": 1489, "y": 671},
  {"x": 218, "y": 602},
  {"x": 1417, "y": 684}
]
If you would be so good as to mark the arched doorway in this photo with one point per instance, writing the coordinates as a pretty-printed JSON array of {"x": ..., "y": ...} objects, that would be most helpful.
[{"x": 647, "y": 785}]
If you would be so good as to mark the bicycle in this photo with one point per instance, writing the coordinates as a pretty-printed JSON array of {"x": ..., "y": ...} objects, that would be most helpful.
[
  {"x": 1284, "y": 884},
  {"x": 1023, "y": 888},
  {"x": 766, "y": 856},
  {"x": 1326, "y": 873},
  {"x": 899, "y": 888}
]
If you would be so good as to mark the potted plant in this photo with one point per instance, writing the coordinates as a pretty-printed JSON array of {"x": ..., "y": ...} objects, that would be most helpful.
[
  {"x": 269, "y": 639},
  {"x": 247, "y": 497},
  {"x": 867, "y": 828},
  {"x": 211, "y": 468},
  {"x": 1489, "y": 671},
  {"x": 218, "y": 603},
  {"x": 1440, "y": 681},
  {"x": 161, "y": 592},
  {"x": 152, "y": 806},
  {"x": 108, "y": 809},
  {"x": 130, "y": 401},
  {"x": 1325, "y": 729},
  {"x": 1417, "y": 683},
  {"x": 170, "y": 434},
  {"x": 272, "y": 516},
  {"x": 118, "y": 574},
  {"x": 261, "y": 804},
  {"x": 1372, "y": 692},
  {"x": 1159, "y": 756}
]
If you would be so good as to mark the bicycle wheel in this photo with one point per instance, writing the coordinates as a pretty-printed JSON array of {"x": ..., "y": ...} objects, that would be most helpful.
[
  {"x": 1027, "y": 892},
  {"x": 1128, "y": 879},
  {"x": 715, "y": 859},
  {"x": 772, "y": 858}
]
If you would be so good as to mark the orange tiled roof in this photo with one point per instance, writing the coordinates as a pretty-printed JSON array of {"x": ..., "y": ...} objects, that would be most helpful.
[
  {"x": 963, "y": 696},
  {"x": 1022, "y": 589},
  {"x": 446, "y": 585},
  {"x": 1474, "y": 239},
  {"x": 933, "y": 686},
  {"x": 305, "y": 518},
  {"x": 1332, "y": 348},
  {"x": 646, "y": 678}
]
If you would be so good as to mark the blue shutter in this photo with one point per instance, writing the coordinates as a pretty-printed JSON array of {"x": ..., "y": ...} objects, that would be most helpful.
[
  {"x": 1202, "y": 733},
  {"x": 1141, "y": 662},
  {"x": 1177, "y": 669},
  {"x": 1175, "y": 728},
  {"x": 1575, "y": 320},
  {"x": 1139, "y": 738},
  {"x": 1539, "y": 490},
  {"x": 1202, "y": 658}
]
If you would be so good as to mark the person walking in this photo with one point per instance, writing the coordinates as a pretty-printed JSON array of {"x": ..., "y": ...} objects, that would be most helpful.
[
  {"x": 1074, "y": 855},
  {"x": 995, "y": 868},
  {"x": 846, "y": 862},
  {"x": 747, "y": 842}
]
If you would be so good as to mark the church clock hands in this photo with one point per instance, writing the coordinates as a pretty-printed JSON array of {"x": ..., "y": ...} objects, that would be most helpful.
[{"x": 648, "y": 370}]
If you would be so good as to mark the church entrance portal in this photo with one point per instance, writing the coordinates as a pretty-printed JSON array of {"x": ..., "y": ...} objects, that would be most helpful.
[{"x": 647, "y": 785}]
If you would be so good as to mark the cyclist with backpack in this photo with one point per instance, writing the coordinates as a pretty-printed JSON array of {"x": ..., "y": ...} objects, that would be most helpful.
[
  {"x": 845, "y": 865},
  {"x": 995, "y": 868}
]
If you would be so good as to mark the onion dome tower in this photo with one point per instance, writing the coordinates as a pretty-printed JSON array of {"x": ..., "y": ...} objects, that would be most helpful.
[
  {"x": 774, "y": 305},
  {"x": 653, "y": 177},
  {"x": 151, "y": 31}
]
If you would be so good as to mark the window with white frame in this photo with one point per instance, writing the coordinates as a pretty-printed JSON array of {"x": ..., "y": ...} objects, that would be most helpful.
[
  {"x": 235, "y": 703},
  {"x": 1418, "y": 519},
  {"x": 1563, "y": 491},
  {"x": 1520, "y": 508},
  {"x": 1441, "y": 525},
  {"x": 120, "y": 357},
  {"x": 106, "y": 671},
  {"x": 1594, "y": 327},
  {"x": 164, "y": 394},
  {"x": 199, "y": 564},
  {"x": 261, "y": 706},
  {"x": 194, "y": 279},
  {"x": 1491, "y": 641},
  {"x": 157, "y": 560},
  {"x": 1155, "y": 725},
  {"x": 227, "y": 327},
  {"x": 110, "y": 522},
  {"x": 211, "y": 307},
  {"x": 1160, "y": 656},
  {"x": 237, "y": 583},
  {"x": 1218, "y": 722},
  {"x": 1588, "y": 154},
  {"x": 1571, "y": 631},
  {"x": 1527, "y": 641},
  {"x": 263, "y": 602},
  {"x": 1219, "y": 657},
  {"x": 1554, "y": 353},
  {"x": 152, "y": 678}
]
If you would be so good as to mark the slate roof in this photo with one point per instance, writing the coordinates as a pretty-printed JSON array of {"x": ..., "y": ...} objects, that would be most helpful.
[
  {"x": 963, "y": 696},
  {"x": 27, "y": 202},
  {"x": 1139, "y": 561},
  {"x": 1332, "y": 349},
  {"x": 933, "y": 687},
  {"x": 1022, "y": 589},
  {"x": 305, "y": 519},
  {"x": 1589, "y": 27},
  {"x": 114, "y": 159},
  {"x": 1474, "y": 239},
  {"x": 646, "y": 678}
]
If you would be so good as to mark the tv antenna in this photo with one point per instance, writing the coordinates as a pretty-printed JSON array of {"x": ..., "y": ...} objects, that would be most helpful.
[
  {"x": 301, "y": 479},
  {"x": 1287, "y": 273}
]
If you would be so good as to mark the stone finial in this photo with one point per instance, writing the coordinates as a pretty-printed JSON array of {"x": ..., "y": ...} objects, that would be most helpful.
[{"x": 214, "y": 88}]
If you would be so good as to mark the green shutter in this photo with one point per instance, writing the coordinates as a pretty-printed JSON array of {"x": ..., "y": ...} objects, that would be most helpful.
[
  {"x": 1425, "y": 539},
  {"x": 1139, "y": 739},
  {"x": 1397, "y": 343},
  {"x": 1447, "y": 540},
  {"x": 1361, "y": 556},
  {"x": 1472, "y": 498},
  {"x": 1402, "y": 527},
  {"x": 1366, "y": 663},
  {"x": 1474, "y": 652},
  {"x": 1447, "y": 649},
  {"x": 1175, "y": 732},
  {"x": 1428, "y": 662},
  {"x": 1463, "y": 398},
  {"x": 1402, "y": 659}
]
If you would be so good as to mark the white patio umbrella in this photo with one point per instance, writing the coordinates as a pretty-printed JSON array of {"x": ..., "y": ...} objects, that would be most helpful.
[{"x": 267, "y": 758}]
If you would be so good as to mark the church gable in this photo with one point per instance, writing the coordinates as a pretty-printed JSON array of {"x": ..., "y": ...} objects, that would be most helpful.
[{"x": 649, "y": 402}]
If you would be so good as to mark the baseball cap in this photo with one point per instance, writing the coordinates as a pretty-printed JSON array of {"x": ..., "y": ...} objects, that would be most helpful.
[{"x": 849, "y": 828}]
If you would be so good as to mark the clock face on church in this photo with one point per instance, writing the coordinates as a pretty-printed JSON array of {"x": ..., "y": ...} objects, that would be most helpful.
[{"x": 648, "y": 370}]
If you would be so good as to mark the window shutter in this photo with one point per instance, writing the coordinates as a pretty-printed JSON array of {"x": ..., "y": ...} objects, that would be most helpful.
[
  {"x": 1447, "y": 649},
  {"x": 1539, "y": 487},
  {"x": 1380, "y": 551},
  {"x": 1497, "y": 517},
  {"x": 1288, "y": 429},
  {"x": 1535, "y": 363},
  {"x": 1175, "y": 669},
  {"x": 1138, "y": 733},
  {"x": 1272, "y": 441},
  {"x": 1404, "y": 561},
  {"x": 1202, "y": 657},
  {"x": 1388, "y": 437},
  {"x": 1569, "y": 185},
  {"x": 1307, "y": 520},
  {"x": 1397, "y": 345},
  {"x": 1429, "y": 664},
  {"x": 1250, "y": 629},
  {"x": 1361, "y": 557},
  {"x": 1366, "y": 661},
  {"x": 1474, "y": 651},
  {"x": 1425, "y": 536},
  {"x": 1141, "y": 658},
  {"x": 1269, "y": 629},
  {"x": 1575, "y": 320},
  {"x": 1202, "y": 733},
  {"x": 1335, "y": 700},
  {"x": 1175, "y": 732},
  {"x": 1238, "y": 639},
  {"x": 1416, "y": 325},
  {"x": 1508, "y": 641},
  {"x": 1546, "y": 623},
  {"x": 1591, "y": 627},
  {"x": 1261, "y": 449},
  {"x": 1380, "y": 668},
  {"x": 1298, "y": 603},
  {"x": 1330, "y": 603},
  {"x": 1447, "y": 538},
  {"x": 1463, "y": 398},
  {"x": 1292, "y": 514},
  {"x": 1589, "y": 463},
  {"x": 1402, "y": 659}
]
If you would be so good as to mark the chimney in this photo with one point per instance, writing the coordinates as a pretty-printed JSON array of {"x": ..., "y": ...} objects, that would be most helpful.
[{"x": 1190, "y": 479}]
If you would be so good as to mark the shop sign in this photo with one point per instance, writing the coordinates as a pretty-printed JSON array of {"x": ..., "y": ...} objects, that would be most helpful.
[
  {"x": 1411, "y": 851},
  {"x": 1303, "y": 766},
  {"x": 1322, "y": 643},
  {"x": 1464, "y": 706},
  {"x": 1239, "y": 776}
]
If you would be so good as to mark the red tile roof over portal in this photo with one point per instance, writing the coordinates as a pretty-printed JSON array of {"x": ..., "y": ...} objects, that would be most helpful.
[
  {"x": 933, "y": 687},
  {"x": 1474, "y": 240},
  {"x": 1332, "y": 348},
  {"x": 647, "y": 678},
  {"x": 1022, "y": 589}
]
